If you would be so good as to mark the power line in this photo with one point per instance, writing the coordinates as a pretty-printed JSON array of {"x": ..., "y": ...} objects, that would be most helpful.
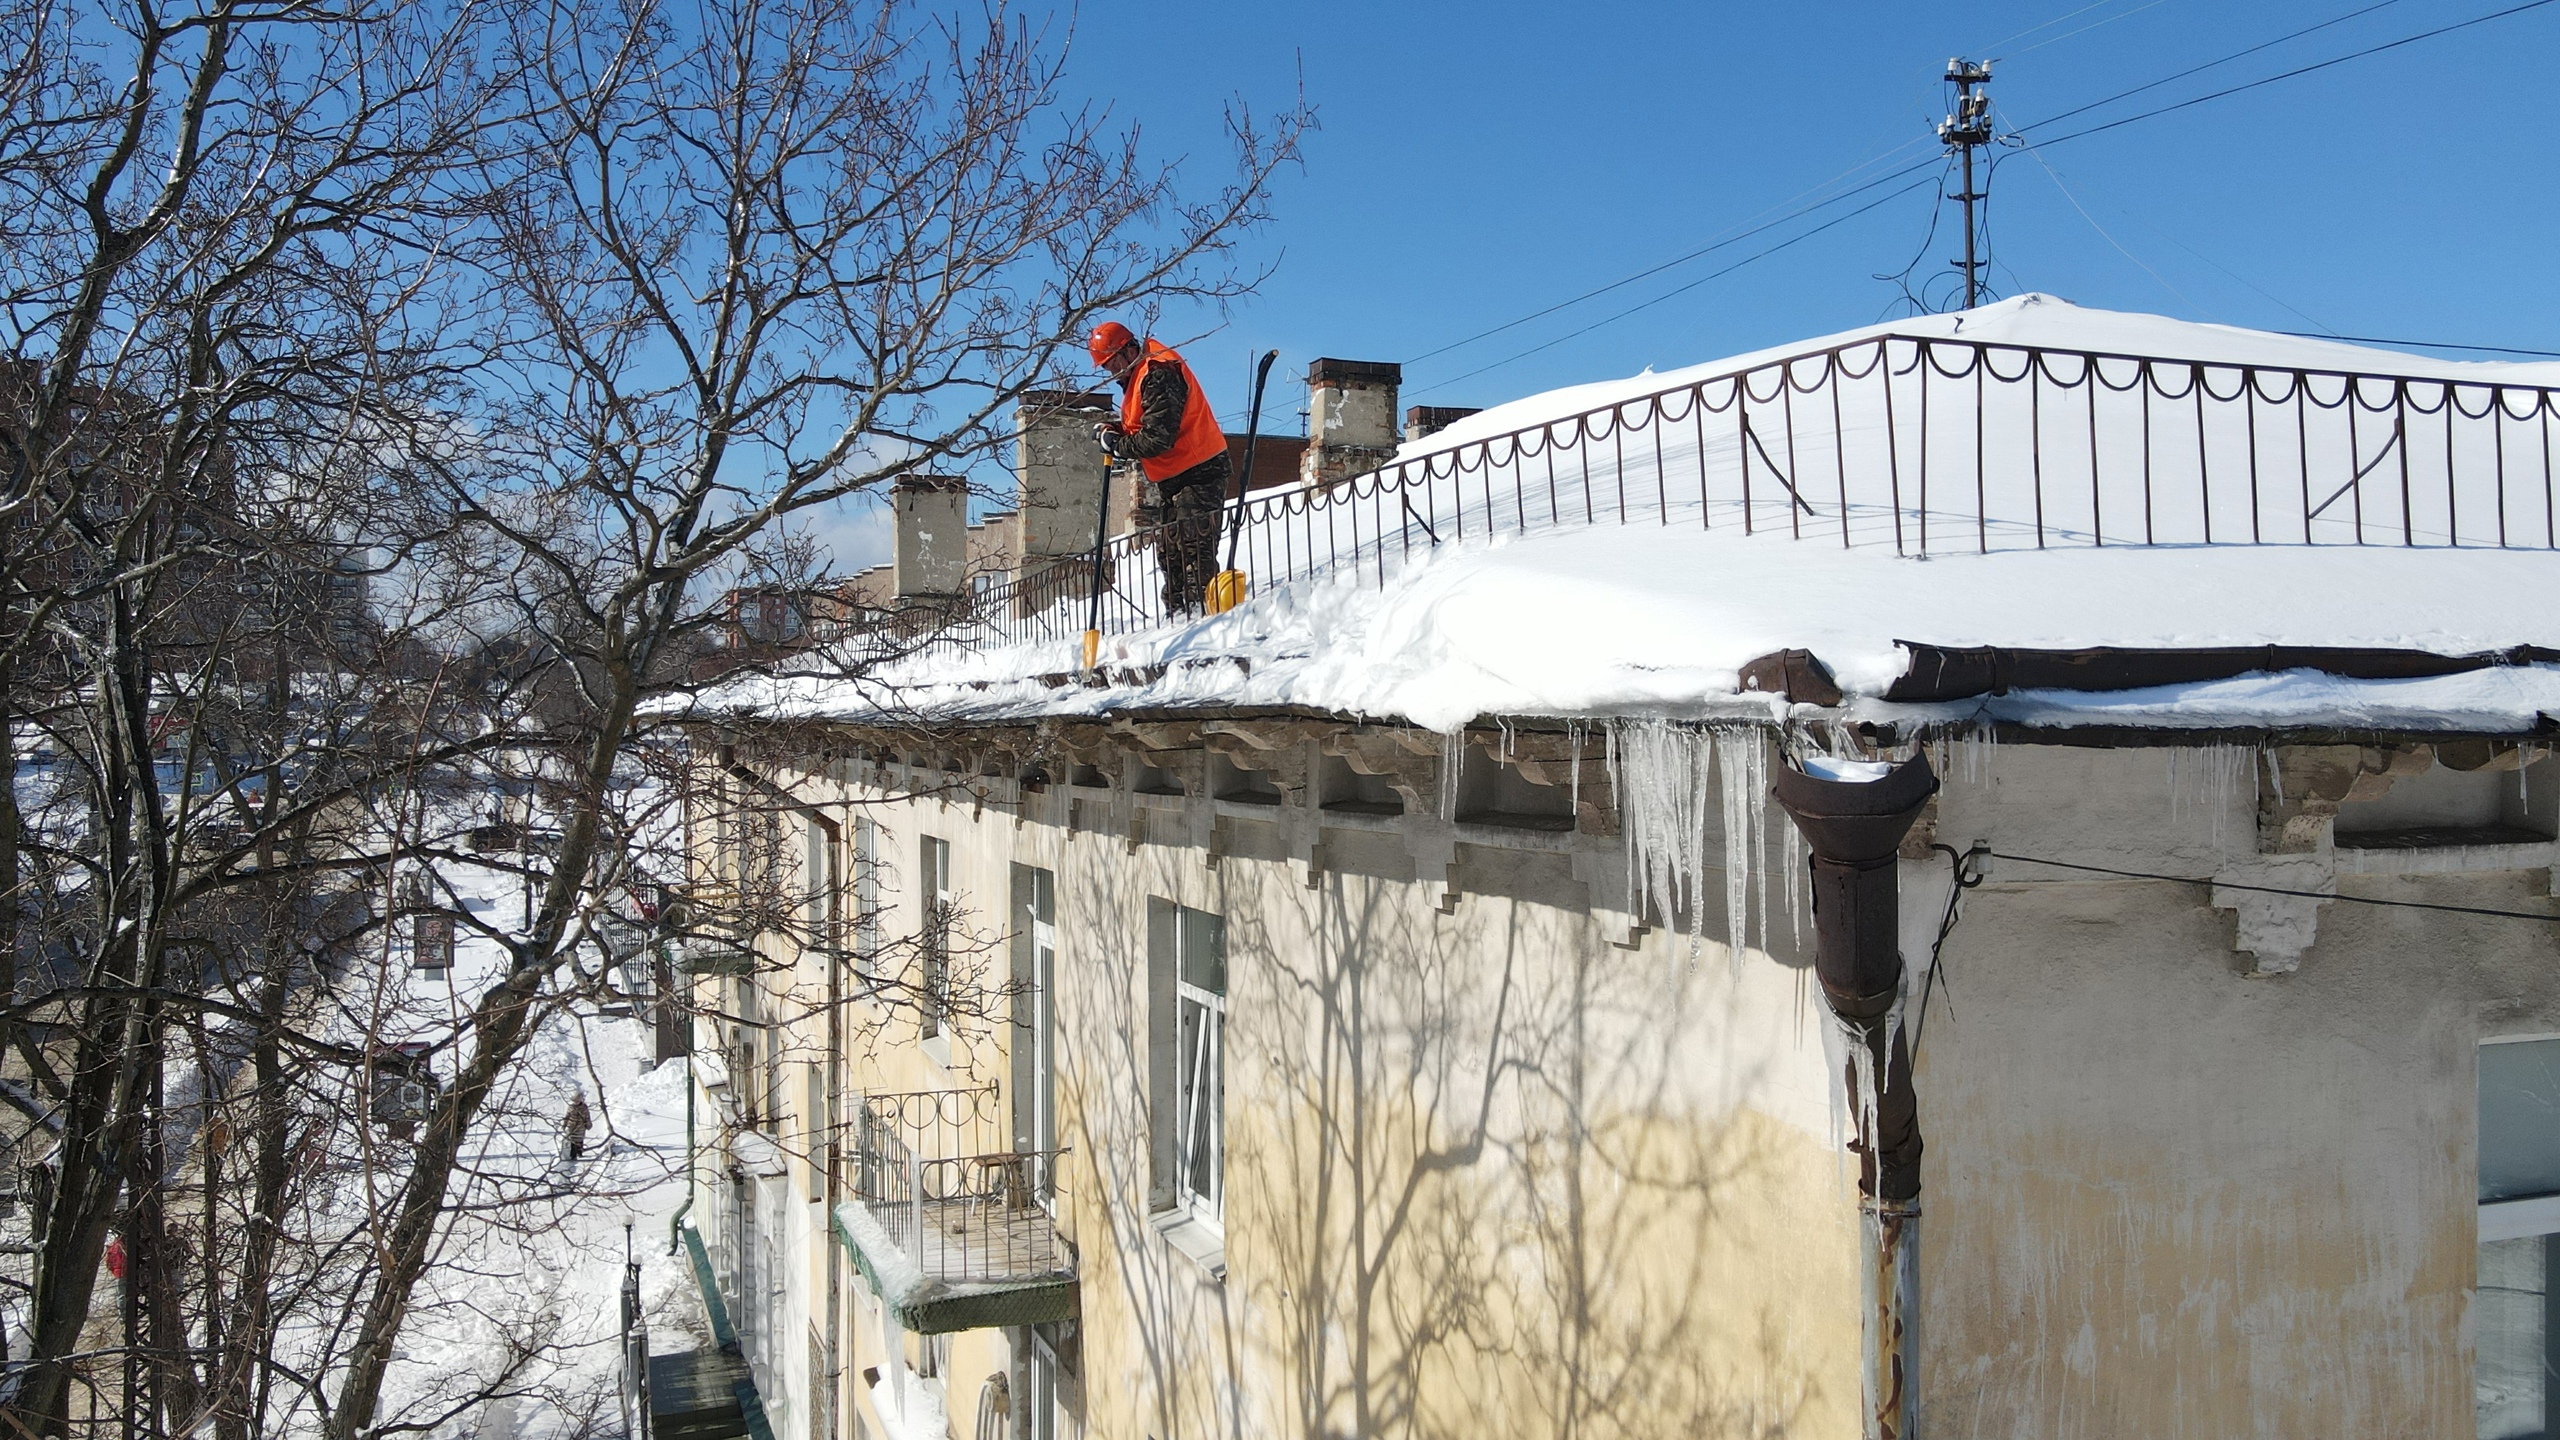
[
  {"x": 1894, "y": 175},
  {"x": 2058, "y": 183},
  {"x": 1855, "y": 191},
  {"x": 2422, "y": 344},
  {"x": 2056, "y": 20},
  {"x": 1679, "y": 260},
  {"x": 2208, "y": 65},
  {"x": 1692, "y": 285},
  {"x": 2303, "y": 70},
  {"x": 2067, "y": 34},
  {"x": 2280, "y": 890}
]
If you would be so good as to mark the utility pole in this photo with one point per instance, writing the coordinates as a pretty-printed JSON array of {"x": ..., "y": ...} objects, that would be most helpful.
[{"x": 1968, "y": 130}]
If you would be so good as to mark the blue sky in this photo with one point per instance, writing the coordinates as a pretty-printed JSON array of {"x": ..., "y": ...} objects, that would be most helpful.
[{"x": 1477, "y": 162}]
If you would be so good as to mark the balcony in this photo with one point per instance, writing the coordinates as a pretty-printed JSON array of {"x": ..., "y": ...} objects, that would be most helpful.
[{"x": 948, "y": 1222}]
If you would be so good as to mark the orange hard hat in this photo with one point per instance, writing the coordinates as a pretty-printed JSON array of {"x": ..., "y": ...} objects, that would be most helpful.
[{"x": 1107, "y": 340}]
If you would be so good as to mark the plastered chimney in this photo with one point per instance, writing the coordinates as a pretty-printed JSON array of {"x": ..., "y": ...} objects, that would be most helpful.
[
  {"x": 1058, "y": 473},
  {"x": 1351, "y": 418},
  {"x": 931, "y": 560}
]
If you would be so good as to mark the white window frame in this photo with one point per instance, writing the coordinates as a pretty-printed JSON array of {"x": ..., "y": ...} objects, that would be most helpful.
[
  {"x": 818, "y": 882},
  {"x": 2523, "y": 1218},
  {"x": 1199, "y": 1085},
  {"x": 1035, "y": 1016},
  {"x": 866, "y": 898},
  {"x": 1041, "y": 1368},
  {"x": 937, "y": 909}
]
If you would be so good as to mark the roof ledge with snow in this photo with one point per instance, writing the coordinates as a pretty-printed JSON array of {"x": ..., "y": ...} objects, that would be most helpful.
[{"x": 2138, "y": 522}]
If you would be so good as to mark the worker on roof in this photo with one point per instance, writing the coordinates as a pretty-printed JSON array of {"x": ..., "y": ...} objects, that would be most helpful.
[{"x": 1166, "y": 425}]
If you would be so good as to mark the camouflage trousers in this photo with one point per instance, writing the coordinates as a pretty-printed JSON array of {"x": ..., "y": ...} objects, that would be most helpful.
[{"x": 1183, "y": 523}]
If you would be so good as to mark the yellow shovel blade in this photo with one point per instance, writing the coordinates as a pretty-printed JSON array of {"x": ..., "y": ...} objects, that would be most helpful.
[{"x": 1227, "y": 590}]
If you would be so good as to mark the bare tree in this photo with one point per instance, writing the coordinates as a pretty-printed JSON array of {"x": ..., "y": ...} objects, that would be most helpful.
[
  {"x": 752, "y": 259},
  {"x": 207, "y": 294},
  {"x": 545, "y": 322}
]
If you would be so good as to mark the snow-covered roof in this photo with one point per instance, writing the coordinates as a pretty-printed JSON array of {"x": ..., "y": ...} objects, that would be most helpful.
[
  {"x": 1654, "y": 618},
  {"x": 2043, "y": 321}
]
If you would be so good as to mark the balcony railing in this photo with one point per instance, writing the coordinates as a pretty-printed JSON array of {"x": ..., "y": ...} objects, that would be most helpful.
[
  {"x": 952, "y": 1223},
  {"x": 1921, "y": 443}
]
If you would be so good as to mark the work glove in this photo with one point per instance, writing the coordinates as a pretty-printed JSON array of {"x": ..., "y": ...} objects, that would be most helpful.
[{"x": 1110, "y": 439}]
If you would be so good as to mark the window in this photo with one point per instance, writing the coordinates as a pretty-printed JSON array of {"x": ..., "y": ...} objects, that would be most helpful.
[
  {"x": 755, "y": 1065},
  {"x": 933, "y": 887},
  {"x": 866, "y": 897},
  {"x": 725, "y": 832},
  {"x": 1187, "y": 968},
  {"x": 818, "y": 882},
  {"x": 1041, "y": 1407},
  {"x": 2518, "y": 1340},
  {"x": 815, "y": 1122},
  {"x": 762, "y": 876},
  {"x": 1035, "y": 1034}
]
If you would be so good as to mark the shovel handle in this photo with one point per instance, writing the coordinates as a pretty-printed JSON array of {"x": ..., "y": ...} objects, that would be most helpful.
[{"x": 1252, "y": 431}]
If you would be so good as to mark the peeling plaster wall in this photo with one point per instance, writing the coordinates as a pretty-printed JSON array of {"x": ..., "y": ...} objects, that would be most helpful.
[
  {"x": 1487, "y": 1173},
  {"x": 2167, "y": 1198},
  {"x": 1490, "y": 1174}
]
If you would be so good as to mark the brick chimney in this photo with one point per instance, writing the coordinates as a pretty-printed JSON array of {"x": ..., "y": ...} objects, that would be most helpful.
[
  {"x": 1425, "y": 420},
  {"x": 931, "y": 559},
  {"x": 1351, "y": 418}
]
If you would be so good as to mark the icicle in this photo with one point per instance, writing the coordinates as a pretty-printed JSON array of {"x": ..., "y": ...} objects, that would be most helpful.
[
  {"x": 1662, "y": 774},
  {"x": 1573, "y": 742},
  {"x": 1757, "y": 799},
  {"x": 1797, "y": 881},
  {"x": 1838, "y": 1044},
  {"x": 1742, "y": 768},
  {"x": 1453, "y": 759},
  {"x": 2275, "y": 771}
]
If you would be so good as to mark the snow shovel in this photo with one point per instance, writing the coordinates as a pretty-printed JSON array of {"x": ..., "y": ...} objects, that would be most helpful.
[
  {"x": 1228, "y": 587},
  {"x": 1101, "y": 533}
]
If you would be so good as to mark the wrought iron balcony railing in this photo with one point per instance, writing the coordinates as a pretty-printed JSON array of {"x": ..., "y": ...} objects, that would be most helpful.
[
  {"x": 1921, "y": 443},
  {"x": 950, "y": 1221}
]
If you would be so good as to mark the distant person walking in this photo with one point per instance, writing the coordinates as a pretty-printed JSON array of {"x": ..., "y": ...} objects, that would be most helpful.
[
  {"x": 1166, "y": 425},
  {"x": 573, "y": 1129}
]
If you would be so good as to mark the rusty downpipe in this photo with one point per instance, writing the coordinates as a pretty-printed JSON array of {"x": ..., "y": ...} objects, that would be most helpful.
[{"x": 1853, "y": 816}]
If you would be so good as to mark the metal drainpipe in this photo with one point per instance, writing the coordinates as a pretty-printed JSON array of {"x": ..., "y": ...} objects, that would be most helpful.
[
  {"x": 1854, "y": 827},
  {"x": 675, "y": 1225}
]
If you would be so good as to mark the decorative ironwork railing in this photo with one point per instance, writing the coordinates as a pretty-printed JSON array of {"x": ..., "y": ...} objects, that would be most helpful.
[
  {"x": 1923, "y": 443},
  {"x": 935, "y": 1171}
]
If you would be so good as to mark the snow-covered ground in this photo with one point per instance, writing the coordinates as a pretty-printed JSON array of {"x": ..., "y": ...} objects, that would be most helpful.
[
  {"x": 523, "y": 1294},
  {"x": 516, "y": 1328}
]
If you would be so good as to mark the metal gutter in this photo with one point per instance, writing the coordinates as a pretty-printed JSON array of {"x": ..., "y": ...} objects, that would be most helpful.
[{"x": 1942, "y": 672}]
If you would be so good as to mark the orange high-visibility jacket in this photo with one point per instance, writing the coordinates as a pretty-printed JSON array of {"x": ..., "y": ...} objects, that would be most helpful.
[{"x": 1199, "y": 437}]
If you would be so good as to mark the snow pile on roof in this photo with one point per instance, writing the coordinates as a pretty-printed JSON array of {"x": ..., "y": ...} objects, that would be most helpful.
[
  {"x": 1656, "y": 622},
  {"x": 1655, "y": 619}
]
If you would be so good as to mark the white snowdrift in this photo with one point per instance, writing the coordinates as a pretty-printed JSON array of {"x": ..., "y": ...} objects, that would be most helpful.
[{"x": 1659, "y": 622}]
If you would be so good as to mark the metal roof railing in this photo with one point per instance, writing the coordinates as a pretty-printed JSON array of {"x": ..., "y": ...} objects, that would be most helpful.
[{"x": 1925, "y": 444}]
